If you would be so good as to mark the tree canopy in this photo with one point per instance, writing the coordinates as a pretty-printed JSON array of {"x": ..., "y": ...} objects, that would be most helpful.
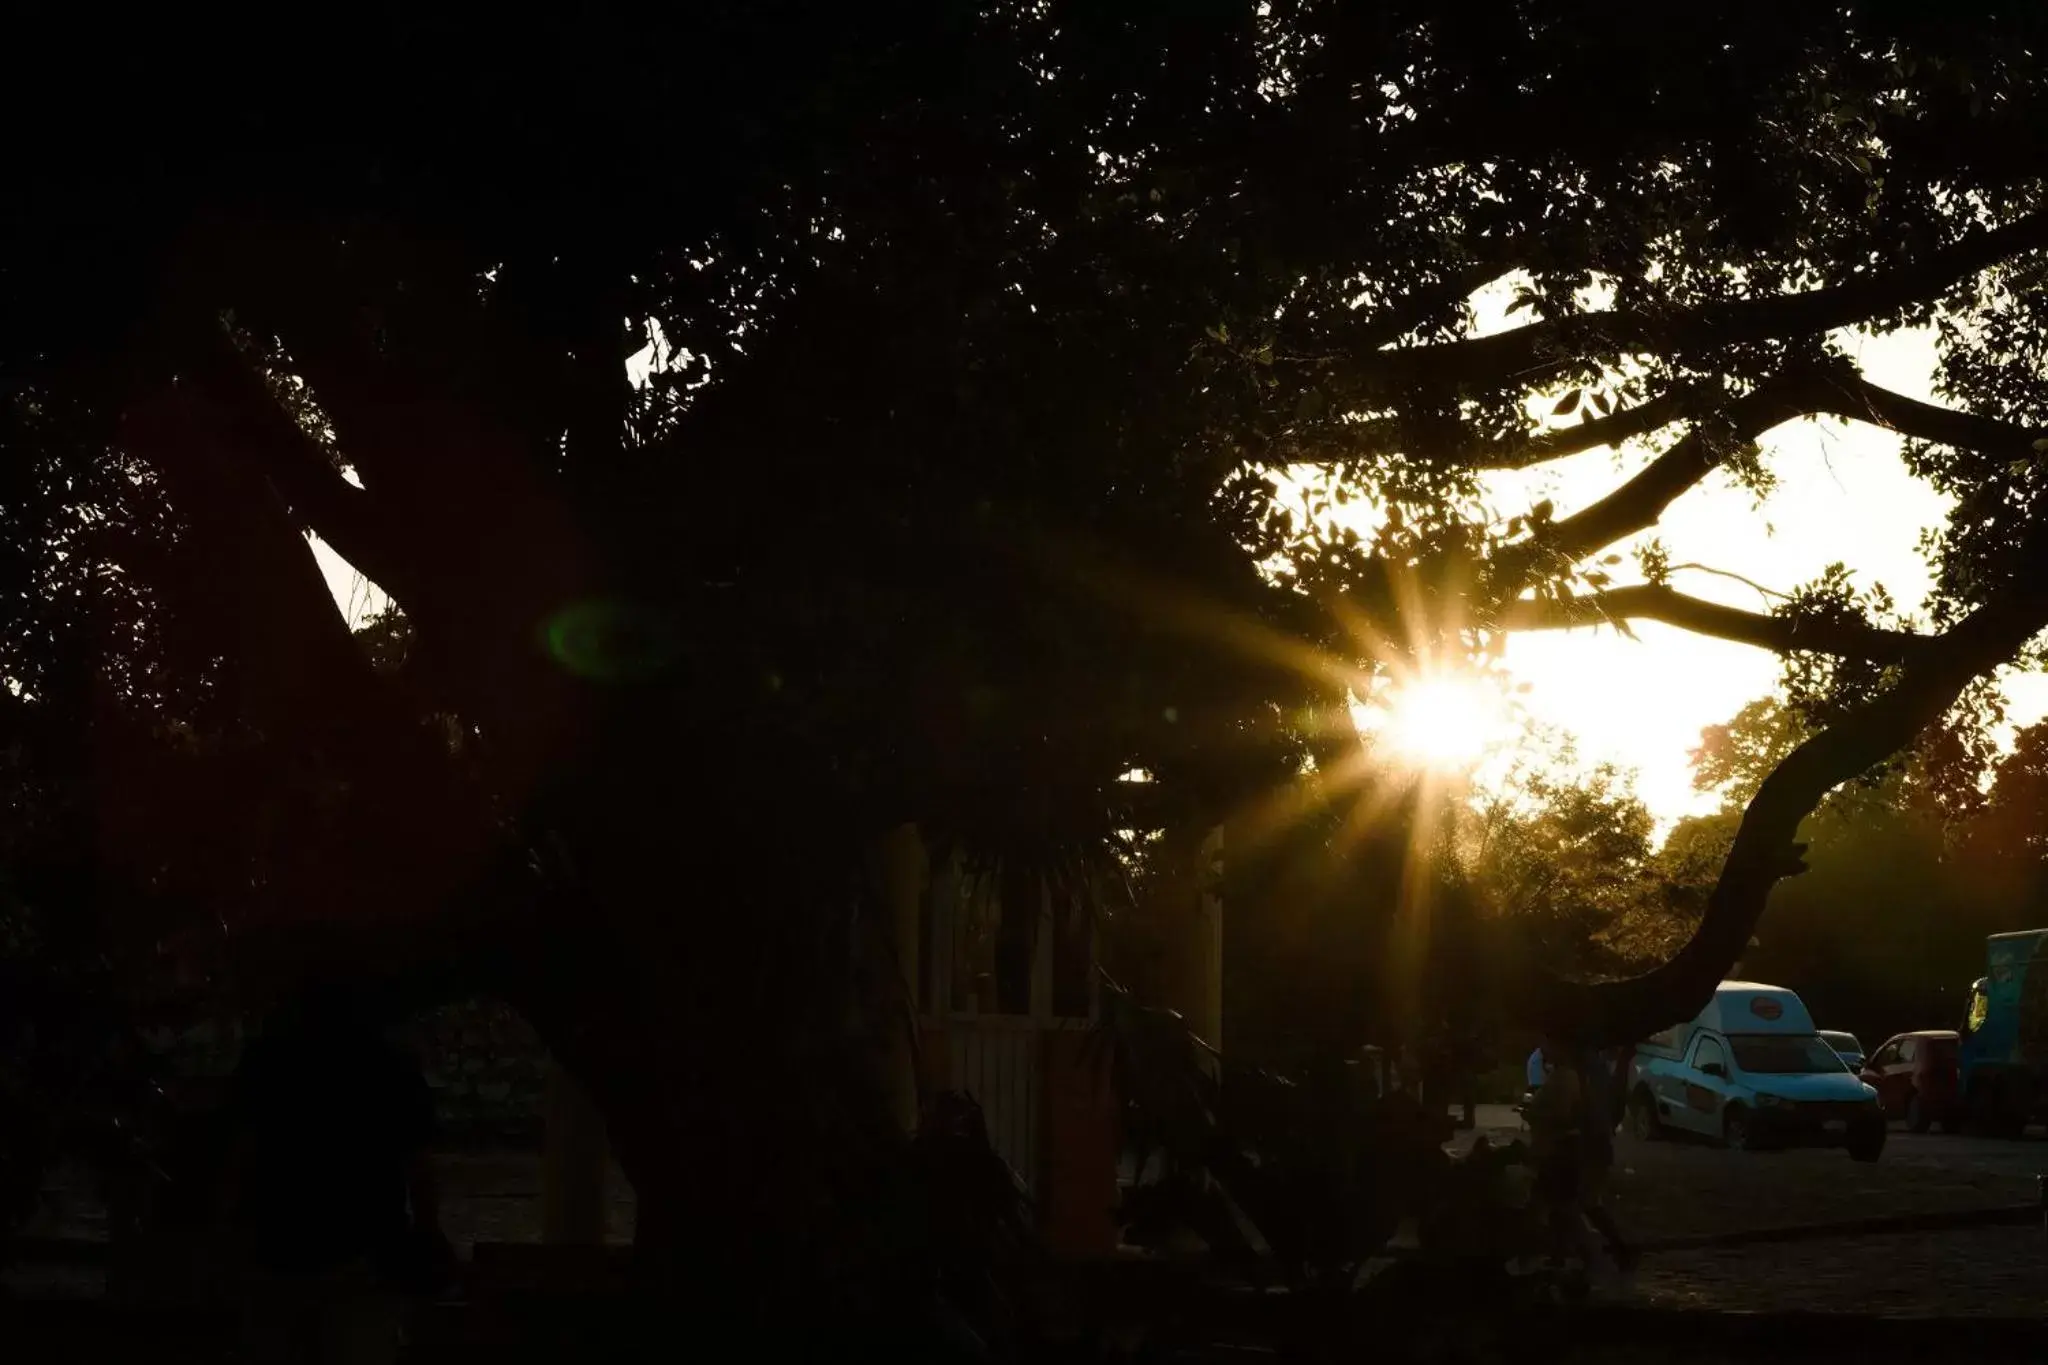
[{"x": 990, "y": 331}]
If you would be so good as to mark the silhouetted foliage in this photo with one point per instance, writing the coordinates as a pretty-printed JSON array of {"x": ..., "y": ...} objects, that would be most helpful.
[{"x": 987, "y": 331}]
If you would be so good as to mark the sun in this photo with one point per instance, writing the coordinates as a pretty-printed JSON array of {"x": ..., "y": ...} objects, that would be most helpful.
[{"x": 1444, "y": 721}]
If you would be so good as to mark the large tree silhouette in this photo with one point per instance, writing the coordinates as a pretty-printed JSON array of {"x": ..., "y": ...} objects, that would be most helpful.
[{"x": 990, "y": 327}]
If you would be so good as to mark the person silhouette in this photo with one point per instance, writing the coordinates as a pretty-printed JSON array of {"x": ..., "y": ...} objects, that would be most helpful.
[{"x": 330, "y": 1186}]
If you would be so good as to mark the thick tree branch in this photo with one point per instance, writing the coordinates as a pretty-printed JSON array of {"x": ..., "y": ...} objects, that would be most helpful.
[
  {"x": 249, "y": 580},
  {"x": 1655, "y": 602},
  {"x": 1764, "y": 848},
  {"x": 1529, "y": 352},
  {"x": 1612, "y": 430},
  {"x": 341, "y": 514},
  {"x": 1638, "y": 503},
  {"x": 1454, "y": 443},
  {"x": 1854, "y": 397}
]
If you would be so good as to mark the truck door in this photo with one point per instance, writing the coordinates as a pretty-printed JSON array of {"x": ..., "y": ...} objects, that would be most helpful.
[
  {"x": 1663, "y": 1077},
  {"x": 1706, "y": 1084}
]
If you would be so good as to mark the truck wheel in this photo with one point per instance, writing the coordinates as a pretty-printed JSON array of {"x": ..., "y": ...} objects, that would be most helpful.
[
  {"x": 1737, "y": 1134},
  {"x": 1643, "y": 1123},
  {"x": 1918, "y": 1120}
]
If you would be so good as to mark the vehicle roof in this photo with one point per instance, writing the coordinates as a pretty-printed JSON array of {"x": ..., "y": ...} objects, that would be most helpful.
[
  {"x": 1925, "y": 1033},
  {"x": 1732, "y": 1011},
  {"x": 2017, "y": 933},
  {"x": 1837, "y": 1033}
]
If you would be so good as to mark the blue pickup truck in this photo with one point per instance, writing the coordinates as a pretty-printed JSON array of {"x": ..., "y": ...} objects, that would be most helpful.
[
  {"x": 1751, "y": 1072},
  {"x": 2003, "y": 1056}
]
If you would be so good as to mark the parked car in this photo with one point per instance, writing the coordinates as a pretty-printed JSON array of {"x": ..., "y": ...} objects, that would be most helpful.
[
  {"x": 1846, "y": 1047},
  {"x": 1918, "y": 1079},
  {"x": 1751, "y": 1071}
]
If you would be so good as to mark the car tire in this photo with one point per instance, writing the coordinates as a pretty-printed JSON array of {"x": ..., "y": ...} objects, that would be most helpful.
[
  {"x": 1738, "y": 1134},
  {"x": 1918, "y": 1120},
  {"x": 1643, "y": 1123},
  {"x": 1868, "y": 1146}
]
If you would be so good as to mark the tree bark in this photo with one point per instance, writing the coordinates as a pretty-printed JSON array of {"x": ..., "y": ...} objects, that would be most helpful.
[{"x": 1656, "y": 602}]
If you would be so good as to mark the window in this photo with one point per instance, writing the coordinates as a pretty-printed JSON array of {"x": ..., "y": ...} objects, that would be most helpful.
[
  {"x": 1886, "y": 1056},
  {"x": 1708, "y": 1053},
  {"x": 1909, "y": 1048},
  {"x": 1784, "y": 1054}
]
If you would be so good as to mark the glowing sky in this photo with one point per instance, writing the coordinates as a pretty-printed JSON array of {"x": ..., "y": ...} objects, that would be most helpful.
[{"x": 1841, "y": 495}]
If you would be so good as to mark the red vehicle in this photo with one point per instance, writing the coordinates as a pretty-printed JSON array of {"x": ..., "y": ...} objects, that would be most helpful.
[{"x": 1916, "y": 1078}]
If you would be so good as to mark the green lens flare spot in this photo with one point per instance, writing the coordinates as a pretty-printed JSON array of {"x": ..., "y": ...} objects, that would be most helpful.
[{"x": 610, "y": 641}]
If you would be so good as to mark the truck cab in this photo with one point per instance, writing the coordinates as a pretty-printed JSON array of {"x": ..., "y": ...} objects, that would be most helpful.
[
  {"x": 1752, "y": 1072},
  {"x": 2002, "y": 1057}
]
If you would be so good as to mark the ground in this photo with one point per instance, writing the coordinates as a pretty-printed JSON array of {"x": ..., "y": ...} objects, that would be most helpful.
[
  {"x": 1666, "y": 1190},
  {"x": 1660, "y": 1191}
]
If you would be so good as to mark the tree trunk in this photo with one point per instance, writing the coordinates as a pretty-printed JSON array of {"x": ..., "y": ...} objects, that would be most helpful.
[
  {"x": 903, "y": 871},
  {"x": 1765, "y": 847},
  {"x": 573, "y": 1168}
]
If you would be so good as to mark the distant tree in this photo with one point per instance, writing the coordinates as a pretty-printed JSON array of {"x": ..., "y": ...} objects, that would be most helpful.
[
  {"x": 1562, "y": 859},
  {"x": 2007, "y": 843}
]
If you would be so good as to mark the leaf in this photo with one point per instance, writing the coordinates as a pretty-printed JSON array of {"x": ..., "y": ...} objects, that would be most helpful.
[
  {"x": 1610, "y": 559},
  {"x": 1605, "y": 402},
  {"x": 2041, "y": 444},
  {"x": 1598, "y": 579},
  {"x": 1541, "y": 512},
  {"x": 1568, "y": 403}
]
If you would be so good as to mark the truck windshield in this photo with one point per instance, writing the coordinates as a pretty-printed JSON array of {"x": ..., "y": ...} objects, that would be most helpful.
[{"x": 1781, "y": 1054}]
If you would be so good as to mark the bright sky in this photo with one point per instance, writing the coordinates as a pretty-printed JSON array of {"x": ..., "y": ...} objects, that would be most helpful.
[{"x": 1841, "y": 494}]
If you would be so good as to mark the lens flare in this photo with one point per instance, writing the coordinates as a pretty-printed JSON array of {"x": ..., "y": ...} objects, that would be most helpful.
[
  {"x": 610, "y": 641},
  {"x": 1444, "y": 722}
]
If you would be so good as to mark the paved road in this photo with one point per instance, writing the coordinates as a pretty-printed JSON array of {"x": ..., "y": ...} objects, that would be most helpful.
[{"x": 1671, "y": 1189}]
